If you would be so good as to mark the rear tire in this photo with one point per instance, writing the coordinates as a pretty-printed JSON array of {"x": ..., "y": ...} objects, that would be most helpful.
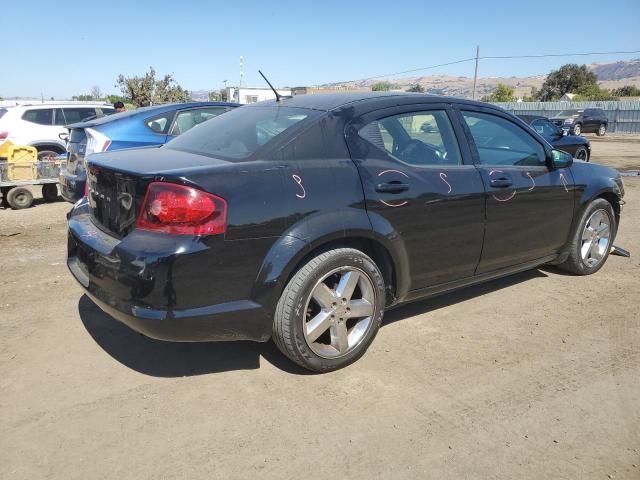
[
  {"x": 50, "y": 192},
  {"x": 591, "y": 241},
  {"x": 330, "y": 311},
  {"x": 601, "y": 130},
  {"x": 19, "y": 198}
]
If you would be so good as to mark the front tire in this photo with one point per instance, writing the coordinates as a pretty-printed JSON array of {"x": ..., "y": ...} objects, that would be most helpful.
[
  {"x": 330, "y": 311},
  {"x": 577, "y": 129},
  {"x": 19, "y": 198},
  {"x": 591, "y": 241},
  {"x": 601, "y": 130},
  {"x": 582, "y": 154}
]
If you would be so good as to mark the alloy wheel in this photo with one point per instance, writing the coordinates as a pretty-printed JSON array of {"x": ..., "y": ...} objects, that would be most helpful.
[
  {"x": 338, "y": 312},
  {"x": 596, "y": 238},
  {"x": 577, "y": 130}
]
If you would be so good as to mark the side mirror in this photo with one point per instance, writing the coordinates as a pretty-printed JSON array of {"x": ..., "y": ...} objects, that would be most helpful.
[{"x": 560, "y": 159}]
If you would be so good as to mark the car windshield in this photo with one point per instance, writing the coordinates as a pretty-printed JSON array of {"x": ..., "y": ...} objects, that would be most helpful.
[
  {"x": 569, "y": 113},
  {"x": 238, "y": 134}
]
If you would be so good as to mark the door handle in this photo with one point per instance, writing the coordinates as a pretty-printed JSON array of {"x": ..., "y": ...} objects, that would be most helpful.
[
  {"x": 392, "y": 187},
  {"x": 502, "y": 182}
]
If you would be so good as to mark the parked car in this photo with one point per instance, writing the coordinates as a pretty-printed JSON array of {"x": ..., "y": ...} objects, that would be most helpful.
[
  {"x": 41, "y": 125},
  {"x": 589, "y": 120},
  {"x": 136, "y": 128},
  {"x": 578, "y": 146},
  {"x": 303, "y": 220}
]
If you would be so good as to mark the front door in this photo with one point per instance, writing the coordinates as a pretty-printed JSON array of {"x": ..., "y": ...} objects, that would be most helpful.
[
  {"x": 529, "y": 205},
  {"x": 421, "y": 182}
]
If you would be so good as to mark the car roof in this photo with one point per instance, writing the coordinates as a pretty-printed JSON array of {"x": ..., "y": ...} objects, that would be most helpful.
[
  {"x": 63, "y": 105},
  {"x": 148, "y": 111},
  {"x": 332, "y": 101}
]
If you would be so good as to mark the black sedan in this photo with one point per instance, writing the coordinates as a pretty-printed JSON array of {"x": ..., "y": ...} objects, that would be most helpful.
[
  {"x": 561, "y": 139},
  {"x": 304, "y": 219}
]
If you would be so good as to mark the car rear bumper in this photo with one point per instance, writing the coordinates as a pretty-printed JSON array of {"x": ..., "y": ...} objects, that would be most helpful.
[
  {"x": 72, "y": 186},
  {"x": 139, "y": 289}
]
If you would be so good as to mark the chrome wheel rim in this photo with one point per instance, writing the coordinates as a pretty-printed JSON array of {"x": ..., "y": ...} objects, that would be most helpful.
[
  {"x": 601, "y": 130},
  {"x": 339, "y": 312},
  {"x": 576, "y": 129},
  {"x": 596, "y": 237}
]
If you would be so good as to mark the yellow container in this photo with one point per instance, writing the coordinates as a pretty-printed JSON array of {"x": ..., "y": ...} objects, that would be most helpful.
[
  {"x": 23, "y": 171},
  {"x": 22, "y": 154}
]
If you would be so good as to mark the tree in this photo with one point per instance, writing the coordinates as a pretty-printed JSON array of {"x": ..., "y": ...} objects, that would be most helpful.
[
  {"x": 383, "y": 86},
  {"x": 502, "y": 93},
  {"x": 416, "y": 88},
  {"x": 592, "y": 92},
  {"x": 218, "y": 95},
  {"x": 626, "y": 91},
  {"x": 117, "y": 98},
  {"x": 146, "y": 90},
  {"x": 96, "y": 93},
  {"x": 82, "y": 98},
  {"x": 567, "y": 79},
  {"x": 533, "y": 96}
]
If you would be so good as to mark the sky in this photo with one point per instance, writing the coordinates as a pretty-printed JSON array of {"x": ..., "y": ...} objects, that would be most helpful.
[{"x": 59, "y": 49}]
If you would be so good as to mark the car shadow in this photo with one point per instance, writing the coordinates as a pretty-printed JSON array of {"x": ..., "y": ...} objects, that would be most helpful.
[{"x": 171, "y": 359}]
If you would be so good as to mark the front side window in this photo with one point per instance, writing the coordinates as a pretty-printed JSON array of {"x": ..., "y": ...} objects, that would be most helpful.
[
  {"x": 240, "y": 133},
  {"x": 41, "y": 116},
  {"x": 501, "y": 142},
  {"x": 422, "y": 138},
  {"x": 188, "y": 119},
  {"x": 78, "y": 114},
  {"x": 160, "y": 123}
]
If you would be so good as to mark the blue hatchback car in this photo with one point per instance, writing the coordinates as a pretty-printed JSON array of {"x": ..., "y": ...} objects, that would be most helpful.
[{"x": 136, "y": 128}]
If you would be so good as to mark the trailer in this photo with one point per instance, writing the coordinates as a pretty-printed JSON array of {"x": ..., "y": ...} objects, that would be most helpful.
[{"x": 20, "y": 168}]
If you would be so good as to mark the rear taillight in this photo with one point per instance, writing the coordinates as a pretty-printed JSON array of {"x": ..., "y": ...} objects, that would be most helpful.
[
  {"x": 96, "y": 142},
  {"x": 86, "y": 187},
  {"x": 182, "y": 210},
  {"x": 4, "y": 135}
]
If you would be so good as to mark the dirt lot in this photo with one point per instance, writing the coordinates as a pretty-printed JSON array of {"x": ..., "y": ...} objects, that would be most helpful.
[{"x": 535, "y": 376}]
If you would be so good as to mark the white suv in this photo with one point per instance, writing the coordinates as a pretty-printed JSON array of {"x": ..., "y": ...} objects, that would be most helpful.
[{"x": 40, "y": 125}]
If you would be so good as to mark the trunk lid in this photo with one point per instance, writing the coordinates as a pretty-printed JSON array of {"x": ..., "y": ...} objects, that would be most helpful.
[{"x": 117, "y": 181}]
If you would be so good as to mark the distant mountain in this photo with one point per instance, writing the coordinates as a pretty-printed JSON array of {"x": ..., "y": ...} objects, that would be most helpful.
[
  {"x": 610, "y": 75},
  {"x": 617, "y": 70}
]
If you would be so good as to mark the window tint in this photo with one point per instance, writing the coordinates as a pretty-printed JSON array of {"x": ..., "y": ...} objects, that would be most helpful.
[
  {"x": 3, "y": 111},
  {"x": 160, "y": 123},
  {"x": 78, "y": 114},
  {"x": 240, "y": 133},
  {"x": 188, "y": 119},
  {"x": 500, "y": 142},
  {"x": 105, "y": 111},
  {"x": 545, "y": 127},
  {"x": 41, "y": 116},
  {"x": 420, "y": 138}
]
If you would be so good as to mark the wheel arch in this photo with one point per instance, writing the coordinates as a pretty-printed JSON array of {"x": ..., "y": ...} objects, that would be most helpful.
[{"x": 50, "y": 145}]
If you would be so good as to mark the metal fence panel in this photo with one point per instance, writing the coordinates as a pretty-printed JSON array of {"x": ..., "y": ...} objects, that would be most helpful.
[{"x": 624, "y": 117}]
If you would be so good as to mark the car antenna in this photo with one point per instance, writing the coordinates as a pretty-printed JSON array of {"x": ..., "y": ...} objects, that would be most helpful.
[{"x": 278, "y": 96}]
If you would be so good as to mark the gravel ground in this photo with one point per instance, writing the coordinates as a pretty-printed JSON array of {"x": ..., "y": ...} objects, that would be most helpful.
[{"x": 532, "y": 376}]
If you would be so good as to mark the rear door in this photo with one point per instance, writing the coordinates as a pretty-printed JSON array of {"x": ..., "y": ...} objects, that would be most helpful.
[
  {"x": 529, "y": 207},
  {"x": 591, "y": 121},
  {"x": 422, "y": 182}
]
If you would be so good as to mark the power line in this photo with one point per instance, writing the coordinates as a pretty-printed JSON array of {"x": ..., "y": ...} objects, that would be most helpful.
[
  {"x": 559, "y": 54},
  {"x": 487, "y": 57}
]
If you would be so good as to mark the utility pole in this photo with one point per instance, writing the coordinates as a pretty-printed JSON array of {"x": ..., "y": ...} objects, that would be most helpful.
[
  {"x": 241, "y": 75},
  {"x": 475, "y": 74}
]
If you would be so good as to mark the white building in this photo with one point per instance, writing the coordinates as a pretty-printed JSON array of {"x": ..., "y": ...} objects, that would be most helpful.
[{"x": 245, "y": 95}]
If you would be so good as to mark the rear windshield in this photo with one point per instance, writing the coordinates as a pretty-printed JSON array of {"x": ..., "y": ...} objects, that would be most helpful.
[
  {"x": 3, "y": 111},
  {"x": 238, "y": 134}
]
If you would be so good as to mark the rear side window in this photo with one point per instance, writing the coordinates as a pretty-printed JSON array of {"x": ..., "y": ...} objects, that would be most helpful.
[
  {"x": 160, "y": 123},
  {"x": 422, "y": 138},
  {"x": 105, "y": 111},
  {"x": 41, "y": 116},
  {"x": 500, "y": 142},
  {"x": 187, "y": 119},
  {"x": 240, "y": 133}
]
